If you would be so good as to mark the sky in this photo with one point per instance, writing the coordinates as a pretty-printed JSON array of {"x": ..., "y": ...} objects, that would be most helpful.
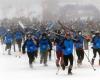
[{"x": 11, "y": 8}]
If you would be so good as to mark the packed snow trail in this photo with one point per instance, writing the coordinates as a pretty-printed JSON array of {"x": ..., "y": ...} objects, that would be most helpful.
[{"x": 15, "y": 68}]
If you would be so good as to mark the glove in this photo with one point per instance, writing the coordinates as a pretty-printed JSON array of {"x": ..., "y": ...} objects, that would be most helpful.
[{"x": 92, "y": 47}]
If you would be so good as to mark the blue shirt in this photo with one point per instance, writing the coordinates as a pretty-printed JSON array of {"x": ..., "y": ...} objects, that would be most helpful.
[
  {"x": 30, "y": 45},
  {"x": 96, "y": 42},
  {"x": 68, "y": 47},
  {"x": 79, "y": 42}
]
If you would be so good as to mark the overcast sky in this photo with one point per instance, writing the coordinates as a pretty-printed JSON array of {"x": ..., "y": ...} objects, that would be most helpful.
[
  {"x": 10, "y": 8},
  {"x": 95, "y": 2}
]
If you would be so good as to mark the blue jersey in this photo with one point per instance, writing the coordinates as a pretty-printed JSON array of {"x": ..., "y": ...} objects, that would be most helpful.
[
  {"x": 58, "y": 41},
  {"x": 79, "y": 42},
  {"x": 96, "y": 42},
  {"x": 67, "y": 46},
  {"x": 18, "y": 35},
  {"x": 37, "y": 34},
  {"x": 44, "y": 44},
  {"x": 30, "y": 45},
  {"x": 8, "y": 38}
]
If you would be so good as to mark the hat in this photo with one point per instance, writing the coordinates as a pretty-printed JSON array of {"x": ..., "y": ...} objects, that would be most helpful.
[
  {"x": 44, "y": 34},
  {"x": 29, "y": 34}
]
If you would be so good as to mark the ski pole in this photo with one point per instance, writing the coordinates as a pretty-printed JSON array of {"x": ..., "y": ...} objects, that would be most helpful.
[
  {"x": 89, "y": 61},
  {"x": 75, "y": 56}
]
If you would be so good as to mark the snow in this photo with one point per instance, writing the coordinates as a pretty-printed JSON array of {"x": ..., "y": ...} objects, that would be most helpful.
[{"x": 15, "y": 68}]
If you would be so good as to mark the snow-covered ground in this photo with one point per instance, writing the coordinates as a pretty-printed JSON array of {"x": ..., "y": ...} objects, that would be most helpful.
[{"x": 14, "y": 68}]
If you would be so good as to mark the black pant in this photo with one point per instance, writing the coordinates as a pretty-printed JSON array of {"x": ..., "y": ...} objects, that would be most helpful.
[
  {"x": 36, "y": 53},
  {"x": 95, "y": 51},
  {"x": 8, "y": 46},
  {"x": 44, "y": 56},
  {"x": 49, "y": 54},
  {"x": 31, "y": 57},
  {"x": 80, "y": 54},
  {"x": 19, "y": 42},
  {"x": 68, "y": 58}
]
